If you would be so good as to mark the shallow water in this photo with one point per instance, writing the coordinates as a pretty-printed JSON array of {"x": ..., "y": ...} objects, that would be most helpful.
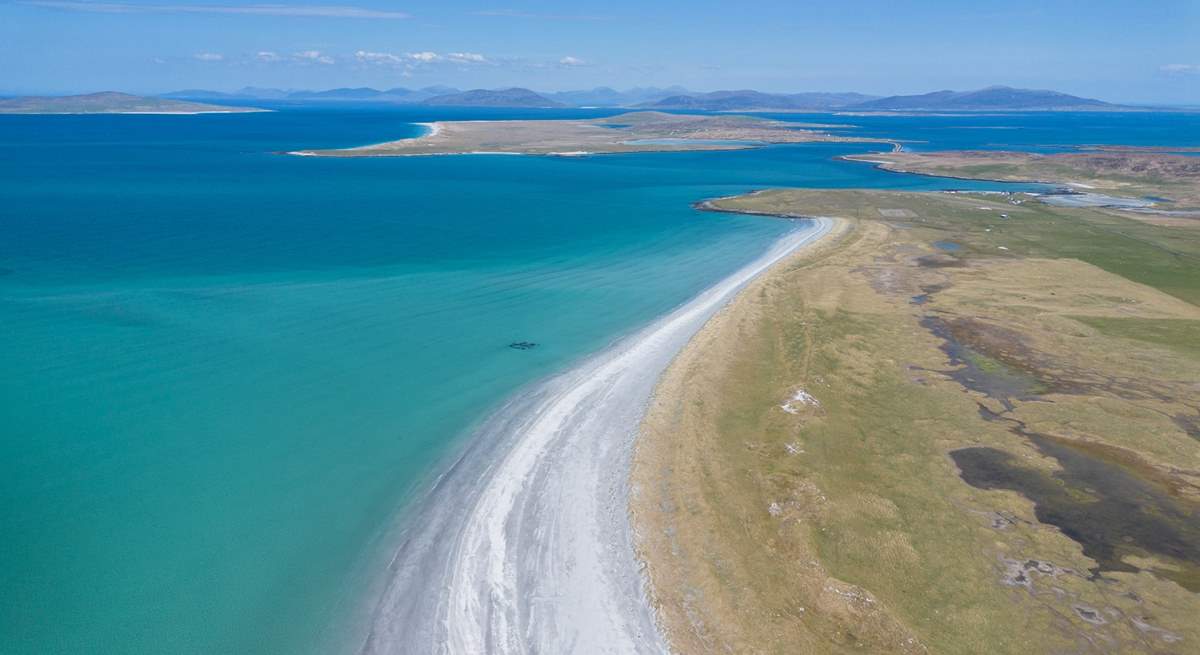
[{"x": 1093, "y": 200}]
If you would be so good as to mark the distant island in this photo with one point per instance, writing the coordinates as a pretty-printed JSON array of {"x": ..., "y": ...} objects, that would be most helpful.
[
  {"x": 600, "y": 96},
  {"x": 514, "y": 97},
  {"x": 439, "y": 96},
  {"x": 750, "y": 99},
  {"x": 644, "y": 131},
  {"x": 110, "y": 102},
  {"x": 398, "y": 95},
  {"x": 603, "y": 96},
  {"x": 993, "y": 98}
]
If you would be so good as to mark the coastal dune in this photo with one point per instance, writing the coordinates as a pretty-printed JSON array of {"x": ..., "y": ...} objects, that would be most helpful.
[{"x": 524, "y": 544}]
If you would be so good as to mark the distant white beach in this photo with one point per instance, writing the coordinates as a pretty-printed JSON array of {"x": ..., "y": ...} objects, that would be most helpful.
[{"x": 434, "y": 129}]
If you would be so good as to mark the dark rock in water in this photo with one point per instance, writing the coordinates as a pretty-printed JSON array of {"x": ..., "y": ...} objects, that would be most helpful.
[{"x": 522, "y": 345}]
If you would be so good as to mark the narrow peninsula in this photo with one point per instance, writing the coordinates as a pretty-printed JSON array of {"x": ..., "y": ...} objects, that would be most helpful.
[
  {"x": 1160, "y": 184},
  {"x": 645, "y": 131}
]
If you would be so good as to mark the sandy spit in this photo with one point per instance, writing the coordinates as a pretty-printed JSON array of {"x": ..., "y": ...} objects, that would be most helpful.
[
  {"x": 434, "y": 130},
  {"x": 525, "y": 544},
  {"x": 652, "y": 515}
]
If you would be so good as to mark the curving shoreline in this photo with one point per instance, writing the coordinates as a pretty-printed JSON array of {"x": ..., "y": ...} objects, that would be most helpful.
[{"x": 525, "y": 544}]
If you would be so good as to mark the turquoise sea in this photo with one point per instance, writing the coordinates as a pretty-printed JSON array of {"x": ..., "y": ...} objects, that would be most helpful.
[{"x": 226, "y": 370}]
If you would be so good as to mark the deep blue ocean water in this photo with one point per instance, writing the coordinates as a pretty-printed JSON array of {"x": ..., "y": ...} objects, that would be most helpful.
[
  {"x": 1046, "y": 132},
  {"x": 226, "y": 370}
]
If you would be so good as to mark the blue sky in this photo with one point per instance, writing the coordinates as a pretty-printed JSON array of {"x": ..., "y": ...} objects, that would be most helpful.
[{"x": 1116, "y": 50}]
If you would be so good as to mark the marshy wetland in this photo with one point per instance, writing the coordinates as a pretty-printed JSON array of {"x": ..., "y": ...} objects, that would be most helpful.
[{"x": 1099, "y": 502}]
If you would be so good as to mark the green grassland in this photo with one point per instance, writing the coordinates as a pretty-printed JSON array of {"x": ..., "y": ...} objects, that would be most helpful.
[
  {"x": 924, "y": 502},
  {"x": 1161, "y": 257},
  {"x": 1122, "y": 172}
]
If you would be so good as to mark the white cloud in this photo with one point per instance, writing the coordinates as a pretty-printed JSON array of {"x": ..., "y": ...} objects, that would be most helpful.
[
  {"x": 321, "y": 11},
  {"x": 313, "y": 57},
  {"x": 378, "y": 58},
  {"x": 571, "y": 61},
  {"x": 1181, "y": 69},
  {"x": 208, "y": 56},
  {"x": 467, "y": 58},
  {"x": 267, "y": 56},
  {"x": 411, "y": 61}
]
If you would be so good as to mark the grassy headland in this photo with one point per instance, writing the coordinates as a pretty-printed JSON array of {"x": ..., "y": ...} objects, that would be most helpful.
[
  {"x": 948, "y": 431},
  {"x": 632, "y": 132},
  {"x": 1173, "y": 179}
]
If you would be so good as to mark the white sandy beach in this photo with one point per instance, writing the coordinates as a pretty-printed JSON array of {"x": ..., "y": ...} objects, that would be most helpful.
[
  {"x": 434, "y": 130},
  {"x": 525, "y": 545}
]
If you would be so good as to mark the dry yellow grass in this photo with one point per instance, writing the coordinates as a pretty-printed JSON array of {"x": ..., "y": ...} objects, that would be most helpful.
[{"x": 843, "y": 525}]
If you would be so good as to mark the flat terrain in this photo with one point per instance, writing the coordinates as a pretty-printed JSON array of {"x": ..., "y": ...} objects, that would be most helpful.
[
  {"x": 111, "y": 103},
  {"x": 632, "y": 132},
  {"x": 946, "y": 432},
  {"x": 1172, "y": 179}
]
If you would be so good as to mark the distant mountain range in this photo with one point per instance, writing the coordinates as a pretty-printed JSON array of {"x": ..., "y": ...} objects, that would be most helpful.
[
  {"x": 995, "y": 98},
  {"x": 514, "y": 97},
  {"x": 109, "y": 102},
  {"x": 603, "y": 96},
  {"x": 430, "y": 95},
  {"x": 360, "y": 94},
  {"x": 991, "y": 98},
  {"x": 749, "y": 99}
]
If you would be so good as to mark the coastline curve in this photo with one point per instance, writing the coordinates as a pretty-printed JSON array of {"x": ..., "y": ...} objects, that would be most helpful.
[{"x": 525, "y": 543}]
